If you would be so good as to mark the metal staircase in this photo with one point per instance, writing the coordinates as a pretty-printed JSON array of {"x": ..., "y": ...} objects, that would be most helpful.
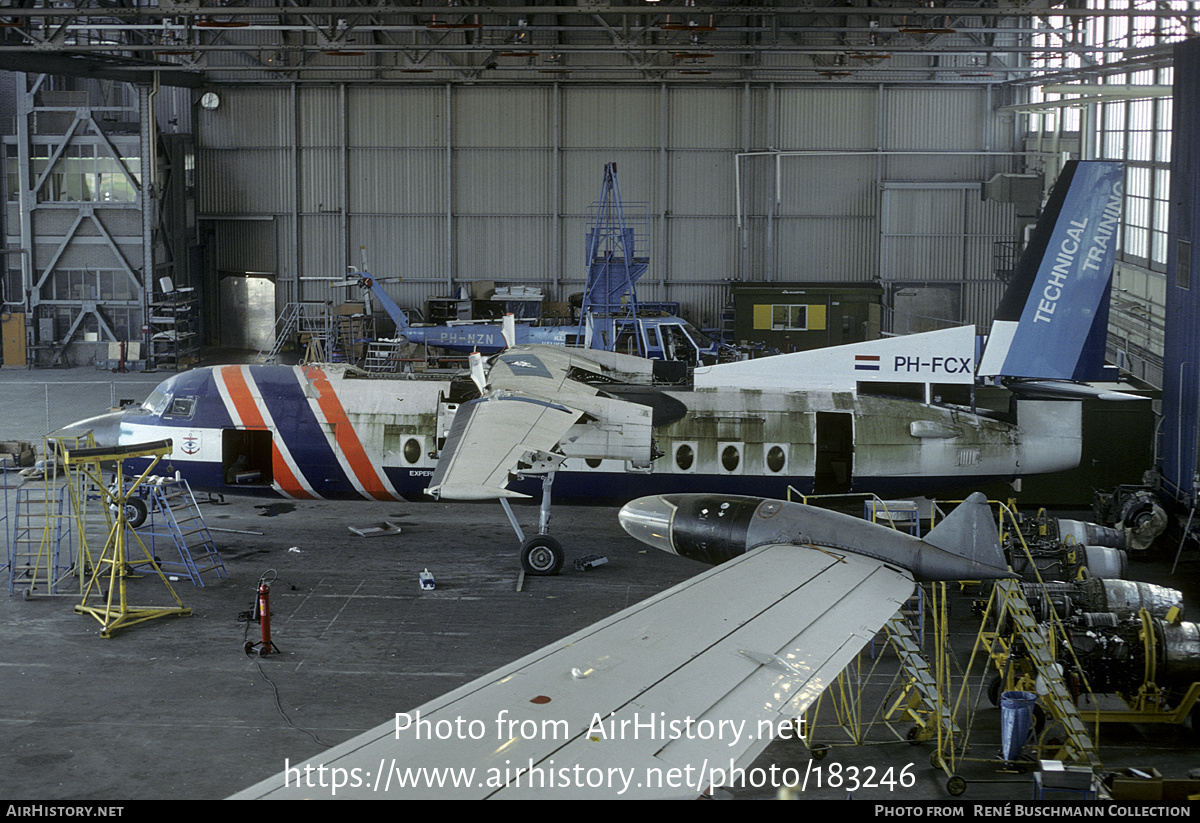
[
  {"x": 307, "y": 322},
  {"x": 176, "y": 525},
  {"x": 919, "y": 699},
  {"x": 1012, "y": 609}
]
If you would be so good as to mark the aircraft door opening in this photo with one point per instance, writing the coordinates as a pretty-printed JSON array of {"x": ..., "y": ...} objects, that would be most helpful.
[
  {"x": 835, "y": 453},
  {"x": 246, "y": 457}
]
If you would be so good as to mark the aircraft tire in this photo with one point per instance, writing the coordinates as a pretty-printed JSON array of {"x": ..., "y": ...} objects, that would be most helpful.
[
  {"x": 136, "y": 511},
  {"x": 542, "y": 555}
]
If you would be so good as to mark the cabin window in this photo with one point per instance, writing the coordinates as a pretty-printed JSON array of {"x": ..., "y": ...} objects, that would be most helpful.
[
  {"x": 776, "y": 459},
  {"x": 685, "y": 457},
  {"x": 156, "y": 402},
  {"x": 699, "y": 338},
  {"x": 593, "y": 463},
  {"x": 731, "y": 457},
  {"x": 412, "y": 450}
]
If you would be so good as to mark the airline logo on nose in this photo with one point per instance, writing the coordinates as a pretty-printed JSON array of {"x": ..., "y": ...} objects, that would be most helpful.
[{"x": 191, "y": 443}]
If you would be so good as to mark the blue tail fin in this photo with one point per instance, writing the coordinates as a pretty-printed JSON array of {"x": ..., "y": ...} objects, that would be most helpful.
[{"x": 1053, "y": 320}]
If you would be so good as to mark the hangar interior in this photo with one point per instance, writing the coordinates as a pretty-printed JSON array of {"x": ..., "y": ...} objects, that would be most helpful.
[{"x": 182, "y": 178}]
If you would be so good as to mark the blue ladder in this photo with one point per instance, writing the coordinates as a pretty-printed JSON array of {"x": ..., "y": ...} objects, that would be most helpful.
[{"x": 175, "y": 518}]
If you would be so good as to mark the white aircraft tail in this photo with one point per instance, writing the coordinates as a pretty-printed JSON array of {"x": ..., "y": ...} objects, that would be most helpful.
[{"x": 1051, "y": 324}]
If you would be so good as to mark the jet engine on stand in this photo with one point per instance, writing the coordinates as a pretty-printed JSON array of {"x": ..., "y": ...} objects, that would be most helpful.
[{"x": 1063, "y": 549}]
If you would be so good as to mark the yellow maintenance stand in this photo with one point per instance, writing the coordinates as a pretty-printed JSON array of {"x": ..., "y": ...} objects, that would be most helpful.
[{"x": 113, "y": 563}]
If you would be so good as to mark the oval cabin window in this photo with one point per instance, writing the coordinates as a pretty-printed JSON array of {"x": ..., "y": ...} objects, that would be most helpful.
[
  {"x": 684, "y": 457},
  {"x": 776, "y": 459},
  {"x": 730, "y": 457},
  {"x": 412, "y": 450}
]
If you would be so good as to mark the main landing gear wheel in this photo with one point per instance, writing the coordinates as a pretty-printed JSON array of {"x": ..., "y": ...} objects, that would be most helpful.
[
  {"x": 542, "y": 555},
  {"x": 136, "y": 511}
]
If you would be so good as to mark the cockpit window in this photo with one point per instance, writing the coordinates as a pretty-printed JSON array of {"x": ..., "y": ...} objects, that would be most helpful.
[
  {"x": 157, "y": 402},
  {"x": 701, "y": 340},
  {"x": 182, "y": 407}
]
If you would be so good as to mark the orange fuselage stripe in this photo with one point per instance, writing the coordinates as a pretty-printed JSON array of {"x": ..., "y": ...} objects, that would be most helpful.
[
  {"x": 252, "y": 418},
  {"x": 346, "y": 437}
]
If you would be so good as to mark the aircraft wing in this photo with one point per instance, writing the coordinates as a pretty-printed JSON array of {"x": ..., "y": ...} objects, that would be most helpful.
[
  {"x": 490, "y": 437},
  {"x": 661, "y": 700}
]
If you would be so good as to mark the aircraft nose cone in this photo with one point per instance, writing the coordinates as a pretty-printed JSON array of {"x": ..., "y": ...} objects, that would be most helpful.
[
  {"x": 649, "y": 520},
  {"x": 105, "y": 429}
]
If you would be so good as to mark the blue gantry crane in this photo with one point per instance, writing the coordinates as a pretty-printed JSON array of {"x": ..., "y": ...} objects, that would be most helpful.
[{"x": 614, "y": 266}]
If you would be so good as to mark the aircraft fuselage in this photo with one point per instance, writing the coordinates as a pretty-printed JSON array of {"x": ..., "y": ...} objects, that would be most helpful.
[{"x": 313, "y": 432}]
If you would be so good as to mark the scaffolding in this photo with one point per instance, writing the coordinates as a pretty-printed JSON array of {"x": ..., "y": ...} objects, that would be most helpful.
[
  {"x": 112, "y": 568},
  {"x": 47, "y": 536}
]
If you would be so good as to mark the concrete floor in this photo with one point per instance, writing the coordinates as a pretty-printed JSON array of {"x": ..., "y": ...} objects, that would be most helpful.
[{"x": 174, "y": 708}]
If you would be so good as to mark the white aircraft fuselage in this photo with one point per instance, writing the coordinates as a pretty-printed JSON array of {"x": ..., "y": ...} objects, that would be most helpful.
[{"x": 318, "y": 432}]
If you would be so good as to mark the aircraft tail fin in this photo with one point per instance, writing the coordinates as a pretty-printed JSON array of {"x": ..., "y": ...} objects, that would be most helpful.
[
  {"x": 970, "y": 532},
  {"x": 1053, "y": 320}
]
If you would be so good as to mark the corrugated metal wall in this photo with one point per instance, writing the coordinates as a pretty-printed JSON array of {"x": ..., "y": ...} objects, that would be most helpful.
[{"x": 441, "y": 185}]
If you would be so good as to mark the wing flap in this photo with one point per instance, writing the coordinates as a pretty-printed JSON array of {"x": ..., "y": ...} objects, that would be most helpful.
[{"x": 666, "y": 686}]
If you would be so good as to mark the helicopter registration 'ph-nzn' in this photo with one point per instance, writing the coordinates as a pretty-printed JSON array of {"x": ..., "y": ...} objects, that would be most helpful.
[{"x": 599, "y": 425}]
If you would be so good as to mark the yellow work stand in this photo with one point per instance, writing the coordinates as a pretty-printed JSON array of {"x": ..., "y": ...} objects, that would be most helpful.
[{"x": 113, "y": 564}]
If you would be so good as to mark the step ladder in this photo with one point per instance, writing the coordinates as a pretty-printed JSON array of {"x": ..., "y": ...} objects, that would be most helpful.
[
  {"x": 1011, "y": 604},
  {"x": 175, "y": 526},
  {"x": 919, "y": 699}
]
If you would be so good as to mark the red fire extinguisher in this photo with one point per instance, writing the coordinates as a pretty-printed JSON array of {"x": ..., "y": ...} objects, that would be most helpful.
[{"x": 262, "y": 613}]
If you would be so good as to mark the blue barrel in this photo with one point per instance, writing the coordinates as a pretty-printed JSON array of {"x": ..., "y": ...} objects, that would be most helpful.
[{"x": 1016, "y": 716}]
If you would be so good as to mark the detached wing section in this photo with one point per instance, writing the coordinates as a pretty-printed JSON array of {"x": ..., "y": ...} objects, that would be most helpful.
[
  {"x": 526, "y": 421},
  {"x": 660, "y": 700},
  {"x": 493, "y": 435}
]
